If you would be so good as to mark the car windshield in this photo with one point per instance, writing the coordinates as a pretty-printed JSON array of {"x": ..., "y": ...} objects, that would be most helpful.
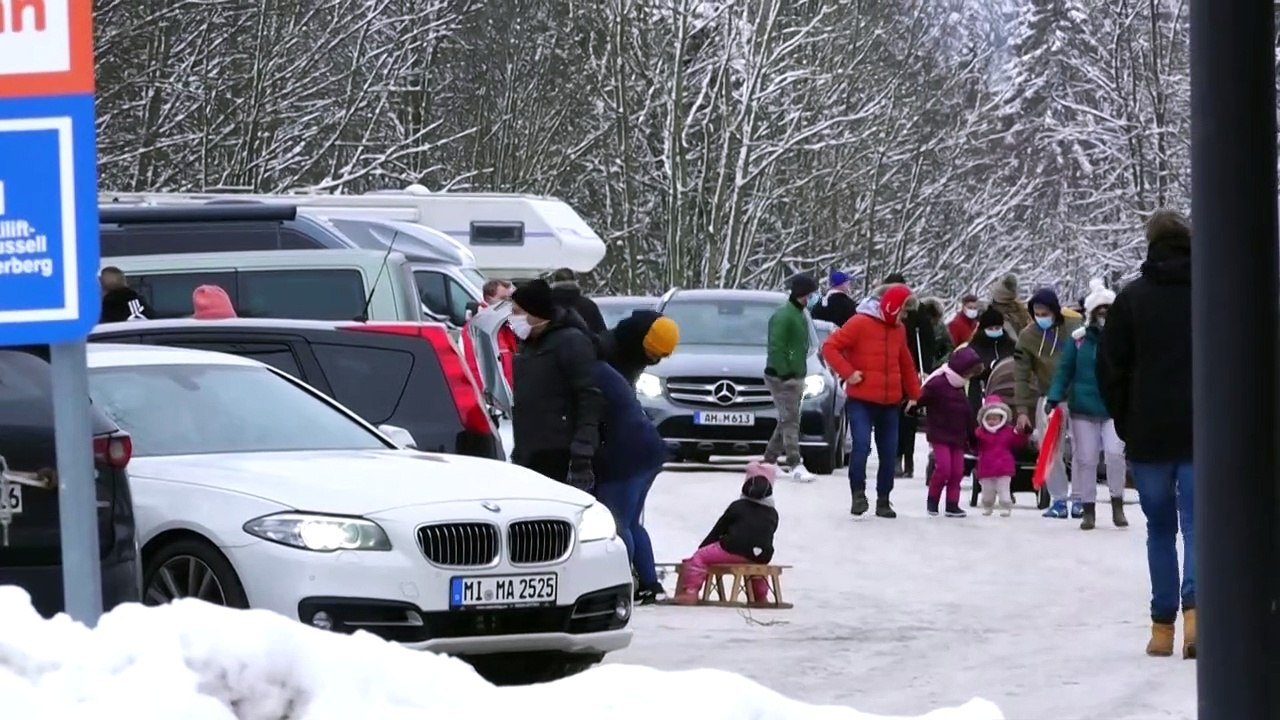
[
  {"x": 725, "y": 322},
  {"x": 200, "y": 409},
  {"x": 612, "y": 311}
]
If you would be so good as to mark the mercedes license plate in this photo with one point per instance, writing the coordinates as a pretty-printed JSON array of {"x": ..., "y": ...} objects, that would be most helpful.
[{"x": 724, "y": 418}]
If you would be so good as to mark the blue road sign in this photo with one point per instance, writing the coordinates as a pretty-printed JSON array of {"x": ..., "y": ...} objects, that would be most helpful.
[{"x": 48, "y": 220}]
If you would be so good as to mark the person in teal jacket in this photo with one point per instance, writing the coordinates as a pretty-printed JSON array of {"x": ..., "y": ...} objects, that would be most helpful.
[
  {"x": 784, "y": 373},
  {"x": 1075, "y": 382}
]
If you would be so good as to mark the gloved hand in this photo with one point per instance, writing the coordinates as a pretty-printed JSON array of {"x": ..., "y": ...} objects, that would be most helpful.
[{"x": 581, "y": 474}]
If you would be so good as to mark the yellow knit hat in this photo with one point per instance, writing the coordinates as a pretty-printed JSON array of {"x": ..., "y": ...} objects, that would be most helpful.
[{"x": 662, "y": 338}]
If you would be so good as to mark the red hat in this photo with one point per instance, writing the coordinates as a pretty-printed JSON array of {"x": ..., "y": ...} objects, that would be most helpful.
[{"x": 892, "y": 302}]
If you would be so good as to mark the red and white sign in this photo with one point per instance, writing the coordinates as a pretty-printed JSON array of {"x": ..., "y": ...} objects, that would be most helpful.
[{"x": 46, "y": 47}]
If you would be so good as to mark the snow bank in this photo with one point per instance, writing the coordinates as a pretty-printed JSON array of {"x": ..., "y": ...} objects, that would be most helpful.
[{"x": 196, "y": 661}]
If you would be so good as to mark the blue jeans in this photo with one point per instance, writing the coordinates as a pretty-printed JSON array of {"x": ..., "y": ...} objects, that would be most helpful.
[
  {"x": 1167, "y": 495},
  {"x": 625, "y": 499},
  {"x": 865, "y": 421}
]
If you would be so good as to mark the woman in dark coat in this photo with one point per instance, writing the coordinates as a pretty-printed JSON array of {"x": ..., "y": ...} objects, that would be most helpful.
[{"x": 992, "y": 343}]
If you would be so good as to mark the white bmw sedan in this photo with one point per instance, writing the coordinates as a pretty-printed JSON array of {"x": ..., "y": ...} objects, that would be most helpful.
[{"x": 253, "y": 490}]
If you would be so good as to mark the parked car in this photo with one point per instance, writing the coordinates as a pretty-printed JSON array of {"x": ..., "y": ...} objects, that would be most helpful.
[
  {"x": 710, "y": 398},
  {"x": 254, "y": 490},
  {"x": 407, "y": 375},
  {"x": 31, "y": 554},
  {"x": 616, "y": 308}
]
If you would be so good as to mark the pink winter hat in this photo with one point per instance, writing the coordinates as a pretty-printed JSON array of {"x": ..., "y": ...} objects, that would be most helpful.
[
  {"x": 212, "y": 303},
  {"x": 758, "y": 468}
]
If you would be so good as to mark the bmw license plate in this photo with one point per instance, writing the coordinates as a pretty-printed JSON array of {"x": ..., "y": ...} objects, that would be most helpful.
[
  {"x": 724, "y": 418},
  {"x": 509, "y": 590}
]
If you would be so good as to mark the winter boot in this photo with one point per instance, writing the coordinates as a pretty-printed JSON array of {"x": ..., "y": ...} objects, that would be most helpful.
[
  {"x": 651, "y": 595},
  {"x": 1117, "y": 513},
  {"x": 884, "y": 509},
  {"x": 1089, "y": 519},
  {"x": 860, "y": 504},
  {"x": 955, "y": 511},
  {"x": 1077, "y": 510},
  {"x": 988, "y": 508},
  {"x": 931, "y": 506},
  {"x": 1057, "y": 510},
  {"x": 1161, "y": 642},
  {"x": 1189, "y": 634}
]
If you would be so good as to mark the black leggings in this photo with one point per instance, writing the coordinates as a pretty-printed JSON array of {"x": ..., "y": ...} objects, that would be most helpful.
[{"x": 908, "y": 425}]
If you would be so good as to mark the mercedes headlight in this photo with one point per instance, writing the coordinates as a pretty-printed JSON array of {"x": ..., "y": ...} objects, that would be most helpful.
[
  {"x": 319, "y": 533},
  {"x": 596, "y": 523},
  {"x": 649, "y": 386},
  {"x": 814, "y": 385}
]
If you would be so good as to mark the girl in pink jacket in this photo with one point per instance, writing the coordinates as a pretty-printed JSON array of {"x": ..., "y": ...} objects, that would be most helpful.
[{"x": 997, "y": 440}]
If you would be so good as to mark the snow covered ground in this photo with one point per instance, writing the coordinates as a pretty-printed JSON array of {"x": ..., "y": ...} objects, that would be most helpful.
[{"x": 901, "y": 616}]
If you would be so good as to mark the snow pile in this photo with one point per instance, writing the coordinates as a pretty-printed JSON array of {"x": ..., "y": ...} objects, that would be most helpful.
[{"x": 196, "y": 661}]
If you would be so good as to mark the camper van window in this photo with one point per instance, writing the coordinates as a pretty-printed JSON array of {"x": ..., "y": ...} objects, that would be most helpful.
[
  {"x": 301, "y": 294},
  {"x": 148, "y": 239},
  {"x": 497, "y": 233},
  {"x": 169, "y": 295}
]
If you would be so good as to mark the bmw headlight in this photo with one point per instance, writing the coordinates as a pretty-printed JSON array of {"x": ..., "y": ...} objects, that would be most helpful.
[
  {"x": 648, "y": 385},
  {"x": 596, "y": 523},
  {"x": 814, "y": 385},
  {"x": 320, "y": 533}
]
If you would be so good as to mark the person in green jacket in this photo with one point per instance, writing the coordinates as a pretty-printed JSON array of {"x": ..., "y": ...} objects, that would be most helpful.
[
  {"x": 1036, "y": 355},
  {"x": 784, "y": 373},
  {"x": 1092, "y": 429}
]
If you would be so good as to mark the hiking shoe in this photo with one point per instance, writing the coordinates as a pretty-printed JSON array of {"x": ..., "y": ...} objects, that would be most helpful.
[
  {"x": 885, "y": 510},
  {"x": 860, "y": 504}
]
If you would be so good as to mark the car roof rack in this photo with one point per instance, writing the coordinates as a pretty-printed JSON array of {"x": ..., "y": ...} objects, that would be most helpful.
[{"x": 213, "y": 212}]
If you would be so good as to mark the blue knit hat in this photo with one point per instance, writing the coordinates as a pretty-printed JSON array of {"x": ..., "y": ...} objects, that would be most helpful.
[{"x": 839, "y": 277}]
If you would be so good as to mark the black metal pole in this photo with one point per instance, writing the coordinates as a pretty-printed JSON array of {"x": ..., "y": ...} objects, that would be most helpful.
[{"x": 1236, "y": 322}]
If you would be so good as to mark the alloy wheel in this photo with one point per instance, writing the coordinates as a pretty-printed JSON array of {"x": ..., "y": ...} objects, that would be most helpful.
[{"x": 184, "y": 576}]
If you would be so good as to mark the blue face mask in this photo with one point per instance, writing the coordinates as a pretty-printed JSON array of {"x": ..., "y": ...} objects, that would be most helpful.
[
  {"x": 1044, "y": 322},
  {"x": 812, "y": 302},
  {"x": 995, "y": 334}
]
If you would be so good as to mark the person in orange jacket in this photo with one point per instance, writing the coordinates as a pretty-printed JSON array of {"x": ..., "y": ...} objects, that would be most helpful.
[
  {"x": 495, "y": 291},
  {"x": 869, "y": 353}
]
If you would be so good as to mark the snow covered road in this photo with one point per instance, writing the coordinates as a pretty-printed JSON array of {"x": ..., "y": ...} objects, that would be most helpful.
[{"x": 901, "y": 616}]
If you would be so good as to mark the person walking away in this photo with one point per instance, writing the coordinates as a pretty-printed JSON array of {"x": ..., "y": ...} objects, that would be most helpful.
[
  {"x": 556, "y": 417},
  {"x": 1092, "y": 429},
  {"x": 949, "y": 427},
  {"x": 211, "y": 302},
  {"x": 837, "y": 306},
  {"x": 1036, "y": 356},
  {"x": 630, "y": 457},
  {"x": 742, "y": 536},
  {"x": 120, "y": 303},
  {"x": 639, "y": 341},
  {"x": 996, "y": 440},
  {"x": 922, "y": 344},
  {"x": 568, "y": 294},
  {"x": 494, "y": 292},
  {"x": 942, "y": 345},
  {"x": 993, "y": 344},
  {"x": 1004, "y": 298},
  {"x": 784, "y": 373},
  {"x": 965, "y": 323},
  {"x": 869, "y": 354},
  {"x": 1144, "y": 373}
]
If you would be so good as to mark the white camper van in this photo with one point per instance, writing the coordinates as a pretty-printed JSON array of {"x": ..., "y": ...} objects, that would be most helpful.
[{"x": 512, "y": 236}]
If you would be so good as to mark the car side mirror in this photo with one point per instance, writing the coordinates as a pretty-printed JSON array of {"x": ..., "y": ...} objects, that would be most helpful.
[{"x": 399, "y": 436}]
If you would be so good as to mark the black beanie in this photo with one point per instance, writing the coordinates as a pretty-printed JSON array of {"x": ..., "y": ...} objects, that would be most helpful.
[
  {"x": 802, "y": 285},
  {"x": 534, "y": 297},
  {"x": 895, "y": 279},
  {"x": 990, "y": 317}
]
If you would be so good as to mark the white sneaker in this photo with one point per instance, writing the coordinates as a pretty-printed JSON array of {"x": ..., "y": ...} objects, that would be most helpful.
[{"x": 802, "y": 474}]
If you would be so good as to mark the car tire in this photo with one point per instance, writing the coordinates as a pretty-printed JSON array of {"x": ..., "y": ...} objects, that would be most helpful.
[
  {"x": 191, "y": 568},
  {"x": 821, "y": 461}
]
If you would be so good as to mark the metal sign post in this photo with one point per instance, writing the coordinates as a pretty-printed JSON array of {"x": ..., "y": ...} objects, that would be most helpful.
[{"x": 49, "y": 246}]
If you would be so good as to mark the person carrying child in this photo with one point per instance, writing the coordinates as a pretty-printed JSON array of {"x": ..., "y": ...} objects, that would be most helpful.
[
  {"x": 949, "y": 427},
  {"x": 996, "y": 440},
  {"x": 742, "y": 536}
]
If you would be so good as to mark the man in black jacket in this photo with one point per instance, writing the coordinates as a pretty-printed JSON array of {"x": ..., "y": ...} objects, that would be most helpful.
[
  {"x": 568, "y": 294},
  {"x": 838, "y": 306},
  {"x": 557, "y": 406},
  {"x": 1144, "y": 374},
  {"x": 640, "y": 340}
]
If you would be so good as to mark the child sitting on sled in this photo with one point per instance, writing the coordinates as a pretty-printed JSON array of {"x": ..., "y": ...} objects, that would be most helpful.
[{"x": 742, "y": 536}]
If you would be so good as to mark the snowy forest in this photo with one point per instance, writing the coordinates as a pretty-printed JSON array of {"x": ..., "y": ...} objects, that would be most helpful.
[{"x": 719, "y": 143}]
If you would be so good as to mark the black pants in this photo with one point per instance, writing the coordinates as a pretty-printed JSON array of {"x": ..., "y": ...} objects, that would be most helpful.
[
  {"x": 552, "y": 463},
  {"x": 908, "y": 425}
]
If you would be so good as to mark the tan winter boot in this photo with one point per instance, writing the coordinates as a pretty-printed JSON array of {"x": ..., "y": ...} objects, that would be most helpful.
[
  {"x": 1189, "y": 634},
  {"x": 1161, "y": 642}
]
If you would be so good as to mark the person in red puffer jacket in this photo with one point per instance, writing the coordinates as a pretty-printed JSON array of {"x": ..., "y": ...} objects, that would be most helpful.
[
  {"x": 495, "y": 291},
  {"x": 869, "y": 353}
]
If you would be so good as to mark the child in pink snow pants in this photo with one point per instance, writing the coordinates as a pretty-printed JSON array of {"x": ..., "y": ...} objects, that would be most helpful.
[
  {"x": 742, "y": 535},
  {"x": 949, "y": 426}
]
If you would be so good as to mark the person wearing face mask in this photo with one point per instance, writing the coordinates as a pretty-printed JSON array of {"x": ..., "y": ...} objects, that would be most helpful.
[
  {"x": 1036, "y": 356},
  {"x": 1092, "y": 430},
  {"x": 949, "y": 428},
  {"x": 556, "y": 415},
  {"x": 992, "y": 343},
  {"x": 869, "y": 354},
  {"x": 641, "y": 340},
  {"x": 965, "y": 323},
  {"x": 784, "y": 373}
]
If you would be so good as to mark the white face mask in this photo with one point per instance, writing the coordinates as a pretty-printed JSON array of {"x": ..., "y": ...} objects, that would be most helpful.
[
  {"x": 971, "y": 313},
  {"x": 520, "y": 326}
]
